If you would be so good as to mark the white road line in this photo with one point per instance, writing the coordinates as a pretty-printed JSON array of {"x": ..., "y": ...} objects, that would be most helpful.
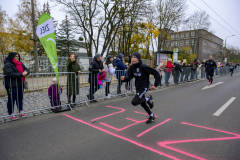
[
  {"x": 224, "y": 106},
  {"x": 207, "y": 87},
  {"x": 217, "y": 83}
]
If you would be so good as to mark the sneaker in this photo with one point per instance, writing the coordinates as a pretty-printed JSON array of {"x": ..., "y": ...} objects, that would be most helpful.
[
  {"x": 211, "y": 84},
  {"x": 150, "y": 101},
  {"x": 150, "y": 119},
  {"x": 13, "y": 117},
  {"x": 208, "y": 81},
  {"x": 108, "y": 97},
  {"x": 93, "y": 100},
  {"x": 22, "y": 114}
]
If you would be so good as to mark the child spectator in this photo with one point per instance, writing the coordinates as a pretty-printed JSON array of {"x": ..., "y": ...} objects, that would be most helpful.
[{"x": 54, "y": 95}]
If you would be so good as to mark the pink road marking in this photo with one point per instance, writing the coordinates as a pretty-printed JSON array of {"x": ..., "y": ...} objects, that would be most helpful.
[
  {"x": 182, "y": 152},
  {"x": 153, "y": 127},
  {"x": 120, "y": 129},
  {"x": 141, "y": 113},
  {"x": 211, "y": 129},
  {"x": 164, "y": 144},
  {"x": 133, "y": 120},
  {"x": 126, "y": 139},
  {"x": 122, "y": 110}
]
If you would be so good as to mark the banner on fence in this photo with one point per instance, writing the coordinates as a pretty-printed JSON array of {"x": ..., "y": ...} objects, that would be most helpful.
[{"x": 46, "y": 34}]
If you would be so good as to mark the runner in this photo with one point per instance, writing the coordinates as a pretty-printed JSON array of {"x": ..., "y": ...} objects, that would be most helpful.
[
  {"x": 210, "y": 65},
  {"x": 141, "y": 73},
  {"x": 231, "y": 67}
]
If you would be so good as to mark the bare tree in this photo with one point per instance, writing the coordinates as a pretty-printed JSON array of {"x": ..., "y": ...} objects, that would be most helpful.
[
  {"x": 94, "y": 19},
  {"x": 170, "y": 14}
]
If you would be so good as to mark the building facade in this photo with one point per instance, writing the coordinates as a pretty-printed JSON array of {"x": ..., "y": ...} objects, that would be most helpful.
[{"x": 200, "y": 42}]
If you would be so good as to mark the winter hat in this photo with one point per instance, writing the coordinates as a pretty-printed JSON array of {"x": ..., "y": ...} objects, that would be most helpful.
[
  {"x": 120, "y": 55},
  {"x": 109, "y": 57},
  {"x": 98, "y": 55},
  {"x": 55, "y": 79},
  {"x": 137, "y": 55},
  {"x": 11, "y": 55}
]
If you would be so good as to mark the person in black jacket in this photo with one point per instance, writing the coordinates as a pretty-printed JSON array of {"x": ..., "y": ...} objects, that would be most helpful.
[
  {"x": 95, "y": 67},
  {"x": 141, "y": 73},
  {"x": 15, "y": 72},
  {"x": 210, "y": 65},
  {"x": 120, "y": 71}
]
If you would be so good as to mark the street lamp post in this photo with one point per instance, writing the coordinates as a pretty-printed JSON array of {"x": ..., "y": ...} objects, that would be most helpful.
[{"x": 226, "y": 44}]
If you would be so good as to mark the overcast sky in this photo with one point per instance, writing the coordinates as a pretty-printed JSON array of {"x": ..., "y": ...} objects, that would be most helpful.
[{"x": 229, "y": 10}]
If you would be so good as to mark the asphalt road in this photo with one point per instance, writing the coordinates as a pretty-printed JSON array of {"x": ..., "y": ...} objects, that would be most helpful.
[{"x": 114, "y": 129}]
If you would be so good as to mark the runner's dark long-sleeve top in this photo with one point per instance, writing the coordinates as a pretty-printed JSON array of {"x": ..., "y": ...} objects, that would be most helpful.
[
  {"x": 141, "y": 75},
  {"x": 210, "y": 65}
]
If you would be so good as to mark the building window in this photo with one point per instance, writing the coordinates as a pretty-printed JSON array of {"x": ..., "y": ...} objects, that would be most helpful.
[
  {"x": 182, "y": 35},
  {"x": 167, "y": 44},
  {"x": 176, "y": 43},
  {"x": 182, "y": 43},
  {"x": 191, "y": 51},
  {"x": 172, "y": 44},
  {"x": 187, "y": 42},
  {"x": 192, "y": 41},
  {"x": 187, "y": 34},
  {"x": 192, "y": 34},
  {"x": 172, "y": 36},
  {"x": 177, "y": 36}
]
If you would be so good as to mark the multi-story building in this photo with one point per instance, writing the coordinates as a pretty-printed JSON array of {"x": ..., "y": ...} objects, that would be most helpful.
[{"x": 200, "y": 42}]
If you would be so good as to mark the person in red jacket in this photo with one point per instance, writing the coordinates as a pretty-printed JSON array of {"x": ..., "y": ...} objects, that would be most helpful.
[{"x": 168, "y": 71}]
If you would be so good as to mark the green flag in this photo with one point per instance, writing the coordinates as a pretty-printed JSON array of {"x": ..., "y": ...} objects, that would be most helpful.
[{"x": 46, "y": 34}]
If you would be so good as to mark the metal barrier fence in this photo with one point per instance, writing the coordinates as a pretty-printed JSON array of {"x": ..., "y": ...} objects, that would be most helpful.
[{"x": 36, "y": 100}]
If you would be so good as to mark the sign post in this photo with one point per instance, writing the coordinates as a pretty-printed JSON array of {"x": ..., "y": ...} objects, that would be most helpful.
[{"x": 175, "y": 55}]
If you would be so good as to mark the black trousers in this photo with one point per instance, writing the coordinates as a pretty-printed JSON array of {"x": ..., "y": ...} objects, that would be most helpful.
[
  {"x": 119, "y": 86},
  {"x": 107, "y": 90},
  {"x": 209, "y": 76},
  {"x": 231, "y": 70},
  {"x": 139, "y": 98},
  {"x": 69, "y": 99},
  {"x": 14, "y": 95},
  {"x": 93, "y": 88}
]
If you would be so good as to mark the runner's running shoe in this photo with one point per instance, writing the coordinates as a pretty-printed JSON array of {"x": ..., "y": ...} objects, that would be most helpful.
[{"x": 150, "y": 119}]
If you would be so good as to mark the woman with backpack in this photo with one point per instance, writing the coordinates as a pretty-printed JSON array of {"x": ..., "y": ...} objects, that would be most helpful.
[{"x": 110, "y": 70}]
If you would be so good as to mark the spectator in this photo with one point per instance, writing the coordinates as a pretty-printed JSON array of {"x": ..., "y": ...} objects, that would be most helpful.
[
  {"x": 184, "y": 65},
  {"x": 73, "y": 69},
  {"x": 188, "y": 71},
  {"x": 168, "y": 71},
  {"x": 161, "y": 68},
  {"x": 193, "y": 71},
  {"x": 128, "y": 84},
  {"x": 202, "y": 69},
  {"x": 110, "y": 70},
  {"x": 177, "y": 68},
  {"x": 54, "y": 95},
  {"x": 197, "y": 66},
  {"x": 15, "y": 72},
  {"x": 95, "y": 67},
  {"x": 120, "y": 71}
]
